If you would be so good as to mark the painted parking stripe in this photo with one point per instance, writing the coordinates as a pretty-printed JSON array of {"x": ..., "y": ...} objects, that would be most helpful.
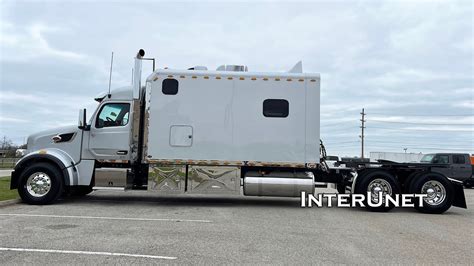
[
  {"x": 104, "y": 218},
  {"x": 87, "y": 253}
]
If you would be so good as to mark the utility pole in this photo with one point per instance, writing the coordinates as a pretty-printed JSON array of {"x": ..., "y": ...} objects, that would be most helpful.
[{"x": 362, "y": 126}]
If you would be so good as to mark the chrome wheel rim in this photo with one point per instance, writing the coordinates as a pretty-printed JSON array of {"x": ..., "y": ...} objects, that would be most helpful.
[
  {"x": 378, "y": 186},
  {"x": 435, "y": 192},
  {"x": 38, "y": 184}
]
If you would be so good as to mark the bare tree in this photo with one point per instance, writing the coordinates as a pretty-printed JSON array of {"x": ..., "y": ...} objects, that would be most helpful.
[
  {"x": 6, "y": 143},
  {"x": 8, "y": 147}
]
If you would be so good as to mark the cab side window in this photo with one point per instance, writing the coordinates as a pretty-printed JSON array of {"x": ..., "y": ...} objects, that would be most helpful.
[
  {"x": 458, "y": 159},
  {"x": 113, "y": 115},
  {"x": 441, "y": 159}
]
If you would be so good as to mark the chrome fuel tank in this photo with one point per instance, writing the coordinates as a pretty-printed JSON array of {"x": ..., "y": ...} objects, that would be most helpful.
[{"x": 278, "y": 184}]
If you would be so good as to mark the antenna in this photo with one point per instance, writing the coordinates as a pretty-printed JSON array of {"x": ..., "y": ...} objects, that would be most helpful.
[{"x": 110, "y": 77}]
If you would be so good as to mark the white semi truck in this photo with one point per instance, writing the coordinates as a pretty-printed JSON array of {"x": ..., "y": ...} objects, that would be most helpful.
[{"x": 197, "y": 131}]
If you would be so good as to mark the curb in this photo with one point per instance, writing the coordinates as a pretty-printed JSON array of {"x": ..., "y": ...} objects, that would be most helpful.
[{"x": 9, "y": 202}]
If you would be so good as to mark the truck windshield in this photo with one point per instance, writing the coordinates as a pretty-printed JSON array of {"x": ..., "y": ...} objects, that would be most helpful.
[{"x": 427, "y": 158}]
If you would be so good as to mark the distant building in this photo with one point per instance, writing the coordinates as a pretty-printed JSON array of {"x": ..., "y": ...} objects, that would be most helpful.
[{"x": 399, "y": 157}]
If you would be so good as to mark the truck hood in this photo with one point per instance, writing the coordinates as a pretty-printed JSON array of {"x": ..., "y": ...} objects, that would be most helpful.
[{"x": 42, "y": 139}]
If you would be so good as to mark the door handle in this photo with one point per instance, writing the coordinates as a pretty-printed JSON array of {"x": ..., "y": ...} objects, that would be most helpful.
[{"x": 122, "y": 152}]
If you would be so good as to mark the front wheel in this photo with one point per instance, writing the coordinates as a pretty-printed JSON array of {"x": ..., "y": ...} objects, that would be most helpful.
[
  {"x": 438, "y": 190},
  {"x": 40, "y": 183}
]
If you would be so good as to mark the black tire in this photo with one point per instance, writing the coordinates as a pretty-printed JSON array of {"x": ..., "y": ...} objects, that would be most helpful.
[
  {"x": 409, "y": 182},
  {"x": 341, "y": 188},
  {"x": 362, "y": 187},
  {"x": 436, "y": 207},
  {"x": 55, "y": 188}
]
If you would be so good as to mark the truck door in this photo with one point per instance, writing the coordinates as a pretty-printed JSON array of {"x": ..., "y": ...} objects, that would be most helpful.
[
  {"x": 442, "y": 159},
  {"x": 461, "y": 167},
  {"x": 110, "y": 132}
]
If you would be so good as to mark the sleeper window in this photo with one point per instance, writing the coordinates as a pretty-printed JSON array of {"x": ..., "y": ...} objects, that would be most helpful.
[
  {"x": 169, "y": 87},
  {"x": 113, "y": 115},
  {"x": 275, "y": 108}
]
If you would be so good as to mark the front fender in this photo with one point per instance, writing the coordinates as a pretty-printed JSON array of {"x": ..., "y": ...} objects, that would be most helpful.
[{"x": 56, "y": 156}]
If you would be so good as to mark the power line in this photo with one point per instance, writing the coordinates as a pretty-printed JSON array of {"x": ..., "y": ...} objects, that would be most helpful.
[
  {"x": 422, "y": 115},
  {"x": 402, "y": 144},
  {"x": 335, "y": 142},
  {"x": 340, "y": 129},
  {"x": 415, "y": 146},
  {"x": 424, "y": 148},
  {"x": 418, "y": 123},
  {"x": 336, "y": 124},
  {"x": 420, "y": 142},
  {"x": 413, "y": 129}
]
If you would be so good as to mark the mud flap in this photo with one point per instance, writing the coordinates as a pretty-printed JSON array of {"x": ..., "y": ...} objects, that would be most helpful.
[
  {"x": 14, "y": 180},
  {"x": 459, "y": 198}
]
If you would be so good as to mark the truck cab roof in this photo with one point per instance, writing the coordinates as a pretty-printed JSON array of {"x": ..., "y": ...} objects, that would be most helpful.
[{"x": 122, "y": 93}]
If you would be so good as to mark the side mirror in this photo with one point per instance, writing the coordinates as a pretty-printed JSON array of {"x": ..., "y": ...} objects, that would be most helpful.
[{"x": 82, "y": 119}]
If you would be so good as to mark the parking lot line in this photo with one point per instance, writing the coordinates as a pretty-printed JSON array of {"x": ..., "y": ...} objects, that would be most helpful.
[
  {"x": 87, "y": 253},
  {"x": 104, "y": 218}
]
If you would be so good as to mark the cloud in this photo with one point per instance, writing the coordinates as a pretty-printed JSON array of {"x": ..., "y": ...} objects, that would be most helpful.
[
  {"x": 31, "y": 43},
  {"x": 468, "y": 104},
  {"x": 395, "y": 59},
  {"x": 12, "y": 120}
]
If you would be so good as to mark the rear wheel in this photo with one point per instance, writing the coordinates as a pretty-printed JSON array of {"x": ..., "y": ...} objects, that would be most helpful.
[
  {"x": 377, "y": 182},
  {"x": 438, "y": 190},
  {"x": 408, "y": 184},
  {"x": 40, "y": 183},
  {"x": 341, "y": 188}
]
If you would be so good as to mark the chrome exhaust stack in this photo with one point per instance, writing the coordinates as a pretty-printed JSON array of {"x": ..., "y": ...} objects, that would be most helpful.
[
  {"x": 137, "y": 74},
  {"x": 278, "y": 184}
]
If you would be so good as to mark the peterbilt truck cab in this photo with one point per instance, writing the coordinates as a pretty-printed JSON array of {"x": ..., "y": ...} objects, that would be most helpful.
[
  {"x": 73, "y": 159},
  {"x": 65, "y": 158}
]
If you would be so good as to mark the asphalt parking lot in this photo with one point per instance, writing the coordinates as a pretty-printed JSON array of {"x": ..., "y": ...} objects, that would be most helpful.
[{"x": 139, "y": 227}]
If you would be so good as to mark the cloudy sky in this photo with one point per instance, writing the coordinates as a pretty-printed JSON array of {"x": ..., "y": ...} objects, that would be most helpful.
[{"x": 409, "y": 64}]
